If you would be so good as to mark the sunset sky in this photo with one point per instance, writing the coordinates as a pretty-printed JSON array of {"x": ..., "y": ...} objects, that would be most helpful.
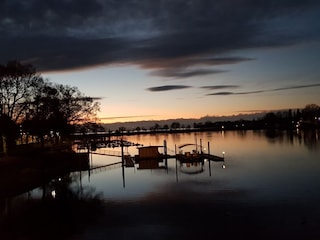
[{"x": 163, "y": 59}]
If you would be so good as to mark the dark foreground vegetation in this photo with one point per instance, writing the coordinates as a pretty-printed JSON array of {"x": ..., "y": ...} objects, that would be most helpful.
[
  {"x": 36, "y": 118},
  {"x": 34, "y": 109}
]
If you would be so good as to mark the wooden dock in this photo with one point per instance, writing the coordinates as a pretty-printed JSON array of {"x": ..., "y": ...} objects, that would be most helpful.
[
  {"x": 212, "y": 157},
  {"x": 151, "y": 153},
  {"x": 130, "y": 160}
]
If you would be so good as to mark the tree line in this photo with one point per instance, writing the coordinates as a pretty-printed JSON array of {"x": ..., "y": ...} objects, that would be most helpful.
[
  {"x": 306, "y": 118},
  {"x": 30, "y": 104}
]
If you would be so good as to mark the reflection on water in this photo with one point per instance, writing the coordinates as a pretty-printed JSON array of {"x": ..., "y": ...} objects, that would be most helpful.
[
  {"x": 276, "y": 165},
  {"x": 55, "y": 210},
  {"x": 191, "y": 167},
  {"x": 267, "y": 178}
]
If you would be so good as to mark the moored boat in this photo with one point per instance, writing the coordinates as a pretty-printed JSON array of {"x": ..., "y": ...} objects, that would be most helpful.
[{"x": 193, "y": 155}]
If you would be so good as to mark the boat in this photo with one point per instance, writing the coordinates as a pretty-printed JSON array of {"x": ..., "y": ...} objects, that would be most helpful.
[
  {"x": 191, "y": 158},
  {"x": 193, "y": 155},
  {"x": 196, "y": 154}
]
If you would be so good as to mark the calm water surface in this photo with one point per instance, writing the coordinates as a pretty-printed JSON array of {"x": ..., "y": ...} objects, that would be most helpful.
[
  {"x": 267, "y": 188},
  {"x": 258, "y": 167}
]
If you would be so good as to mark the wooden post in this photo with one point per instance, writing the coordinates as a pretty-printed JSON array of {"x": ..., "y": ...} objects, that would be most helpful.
[
  {"x": 165, "y": 147},
  {"x": 165, "y": 154},
  {"x": 122, "y": 160},
  {"x": 175, "y": 153},
  {"x": 209, "y": 159}
]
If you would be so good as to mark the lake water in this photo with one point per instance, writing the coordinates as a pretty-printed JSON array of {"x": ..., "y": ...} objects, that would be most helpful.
[
  {"x": 279, "y": 167},
  {"x": 267, "y": 188}
]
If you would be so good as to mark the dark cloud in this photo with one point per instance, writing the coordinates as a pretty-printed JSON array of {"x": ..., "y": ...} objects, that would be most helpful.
[
  {"x": 215, "y": 87},
  {"x": 190, "y": 67},
  {"x": 224, "y": 60},
  {"x": 180, "y": 64},
  {"x": 184, "y": 73},
  {"x": 60, "y": 35},
  {"x": 61, "y": 53},
  {"x": 49, "y": 17},
  {"x": 167, "y": 88},
  {"x": 294, "y": 87},
  {"x": 262, "y": 91}
]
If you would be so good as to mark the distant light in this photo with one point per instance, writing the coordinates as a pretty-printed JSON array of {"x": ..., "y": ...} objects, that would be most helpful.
[
  {"x": 53, "y": 194},
  {"x": 222, "y": 127},
  {"x": 223, "y": 166}
]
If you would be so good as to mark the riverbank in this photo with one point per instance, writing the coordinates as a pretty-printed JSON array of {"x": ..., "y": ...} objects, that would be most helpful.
[{"x": 31, "y": 167}]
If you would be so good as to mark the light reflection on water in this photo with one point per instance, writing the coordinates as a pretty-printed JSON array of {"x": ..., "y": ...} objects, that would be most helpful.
[
  {"x": 275, "y": 167},
  {"x": 268, "y": 188}
]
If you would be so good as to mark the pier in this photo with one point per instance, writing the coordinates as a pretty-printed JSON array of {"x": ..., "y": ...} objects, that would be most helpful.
[{"x": 148, "y": 154}]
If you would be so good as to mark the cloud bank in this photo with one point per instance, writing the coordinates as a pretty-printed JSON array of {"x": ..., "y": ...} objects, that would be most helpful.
[
  {"x": 172, "y": 38},
  {"x": 260, "y": 91},
  {"x": 167, "y": 88}
]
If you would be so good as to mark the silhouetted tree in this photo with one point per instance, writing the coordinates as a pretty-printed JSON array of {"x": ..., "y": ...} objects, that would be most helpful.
[
  {"x": 271, "y": 119},
  {"x": 17, "y": 86},
  {"x": 44, "y": 115},
  {"x": 311, "y": 116},
  {"x": 138, "y": 129},
  {"x": 40, "y": 105},
  {"x": 75, "y": 106},
  {"x": 8, "y": 133},
  {"x": 298, "y": 115},
  {"x": 156, "y": 126},
  {"x": 57, "y": 108},
  {"x": 175, "y": 125},
  {"x": 166, "y": 126},
  {"x": 310, "y": 112}
]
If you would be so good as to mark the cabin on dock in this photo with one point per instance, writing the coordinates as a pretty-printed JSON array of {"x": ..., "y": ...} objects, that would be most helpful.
[
  {"x": 149, "y": 152},
  {"x": 149, "y": 157},
  {"x": 150, "y": 164}
]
